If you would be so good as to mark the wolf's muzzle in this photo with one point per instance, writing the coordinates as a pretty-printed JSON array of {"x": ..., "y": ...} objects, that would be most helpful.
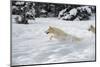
[{"x": 46, "y": 32}]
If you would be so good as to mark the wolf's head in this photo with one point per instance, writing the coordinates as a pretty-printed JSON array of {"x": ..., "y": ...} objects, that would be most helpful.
[{"x": 49, "y": 30}]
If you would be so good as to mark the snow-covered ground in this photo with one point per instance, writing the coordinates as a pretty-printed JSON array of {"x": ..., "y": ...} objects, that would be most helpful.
[{"x": 30, "y": 44}]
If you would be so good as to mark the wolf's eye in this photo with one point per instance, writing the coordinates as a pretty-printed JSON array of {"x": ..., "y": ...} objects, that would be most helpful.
[{"x": 47, "y": 32}]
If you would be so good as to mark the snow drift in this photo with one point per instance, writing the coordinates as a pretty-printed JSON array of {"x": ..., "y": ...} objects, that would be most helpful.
[{"x": 30, "y": 45}]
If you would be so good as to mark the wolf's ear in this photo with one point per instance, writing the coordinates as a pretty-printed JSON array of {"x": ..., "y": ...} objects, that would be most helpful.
[{"x": 50, "y": 27}]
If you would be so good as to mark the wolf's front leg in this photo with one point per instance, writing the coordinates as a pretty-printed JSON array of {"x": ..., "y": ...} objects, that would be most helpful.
[{"x": 51, "y": 37}]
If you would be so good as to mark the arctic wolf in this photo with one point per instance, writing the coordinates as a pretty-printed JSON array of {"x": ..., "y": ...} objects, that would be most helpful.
[
  {"x": 59, "y": 34},
  {"x": 92, "y": 28}
]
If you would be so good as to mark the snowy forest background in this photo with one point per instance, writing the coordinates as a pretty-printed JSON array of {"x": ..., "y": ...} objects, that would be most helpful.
[
  {"x": 30, "y": 43},
  {"x": 31, "y": 10}
]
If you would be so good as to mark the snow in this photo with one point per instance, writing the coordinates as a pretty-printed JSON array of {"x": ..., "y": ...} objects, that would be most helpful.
[
  {"x": 67, "y": 16},
  {"x": 43, "y": 11},
  {"x": 14, "y": 18},
  {"x": 31, "y": 12},
  {"x": 30, "y": 44},
  {"x": 87, "y": 9},
  {"x": 61, "y": 12},
  {"x": 73, "y": 11},
  {"x": 18, "y": 3}
]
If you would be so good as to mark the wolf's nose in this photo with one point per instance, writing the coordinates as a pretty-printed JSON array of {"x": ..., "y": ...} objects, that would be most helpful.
[{"x": 46, "y": 32}]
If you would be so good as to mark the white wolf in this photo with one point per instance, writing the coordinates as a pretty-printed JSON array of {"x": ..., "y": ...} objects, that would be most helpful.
[{"x": 59, "y": 34}]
